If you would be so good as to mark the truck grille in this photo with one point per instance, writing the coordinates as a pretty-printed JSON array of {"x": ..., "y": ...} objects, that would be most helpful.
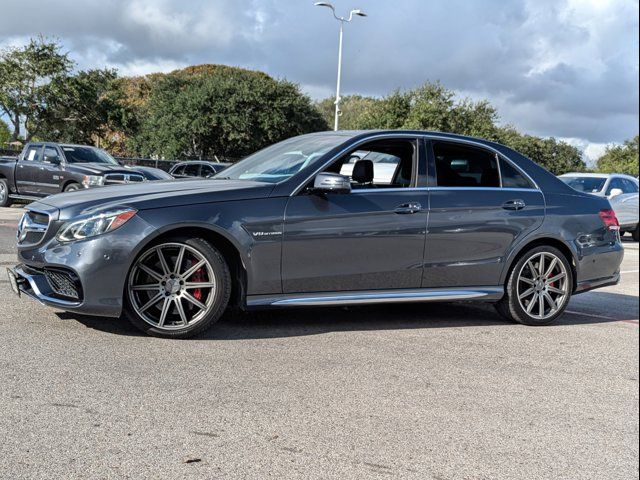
[
  {"x": 32, "y": 227},
  {"x": 63, "y": 283},
  {"x": 120, "y": 178}
]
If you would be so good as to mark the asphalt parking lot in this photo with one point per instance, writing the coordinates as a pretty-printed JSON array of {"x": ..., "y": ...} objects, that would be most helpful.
[{"x": 427, "y": 391}]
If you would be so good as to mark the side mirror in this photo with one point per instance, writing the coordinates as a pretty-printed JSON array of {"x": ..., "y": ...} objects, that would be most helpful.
[
  {"x": 52, "y": 160},
  {"x": 615, "y": 192},
  {"x": 332, "y": 183}
]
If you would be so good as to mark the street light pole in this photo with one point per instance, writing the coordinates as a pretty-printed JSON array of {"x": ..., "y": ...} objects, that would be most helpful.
[{"x": 342, "y": 21}]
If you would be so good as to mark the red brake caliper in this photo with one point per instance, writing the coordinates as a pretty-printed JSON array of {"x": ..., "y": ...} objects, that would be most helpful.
[{"x": 198, "y": 276}]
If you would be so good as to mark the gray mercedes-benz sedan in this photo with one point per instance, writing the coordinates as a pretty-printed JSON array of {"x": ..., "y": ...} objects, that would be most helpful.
[{"x": 330, "y": 218}]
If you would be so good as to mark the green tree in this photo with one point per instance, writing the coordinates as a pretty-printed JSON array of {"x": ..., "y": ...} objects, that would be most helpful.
[
  {"x": 620, "y": 158},
  {"x": 214, "y": 110},
  {"x": 351, "y": 106},
  {"x": 5, "y": 134},
  {"x": 82, "y": 107},
  {"x": 25, "y": 74}
]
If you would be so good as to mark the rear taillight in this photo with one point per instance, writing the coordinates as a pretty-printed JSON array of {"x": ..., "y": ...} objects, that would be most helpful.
[{"x": 610, "y": 220}]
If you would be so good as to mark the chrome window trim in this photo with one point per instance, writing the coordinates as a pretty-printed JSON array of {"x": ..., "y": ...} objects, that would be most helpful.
[
  {"x": 437, "y": 189},
  {"x": 425, "y": 136}
]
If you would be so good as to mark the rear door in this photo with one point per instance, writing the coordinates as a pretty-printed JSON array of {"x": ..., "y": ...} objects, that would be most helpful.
[
  {"x": 28, "y": 170},
  {"x": 480, "y": 205}
]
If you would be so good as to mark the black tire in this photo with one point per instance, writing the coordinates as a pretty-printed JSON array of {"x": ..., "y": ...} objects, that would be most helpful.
[
  {"x": 221, "y": 300},
  {"x": 636, "y": 233},
  {"x": 72, "y": 187},
  {"x": 5, "y": 201},
  {"x": 510, "y": 307}
]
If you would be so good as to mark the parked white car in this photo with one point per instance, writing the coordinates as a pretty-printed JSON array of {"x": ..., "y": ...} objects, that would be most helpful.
[{"x": 621, "y": 190}]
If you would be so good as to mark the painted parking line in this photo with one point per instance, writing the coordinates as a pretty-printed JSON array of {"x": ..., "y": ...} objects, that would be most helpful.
[
  {"x": 604, "y": 317},
  {"x": 630, "y": 271}
]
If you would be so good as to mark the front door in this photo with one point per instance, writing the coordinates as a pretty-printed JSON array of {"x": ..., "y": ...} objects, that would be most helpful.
[
  {"x": 51, "y": 174},
  {"x": 370, "y": 239},
  {"x": 28, "y": 170},
  {"x": 480, "y": 206}
]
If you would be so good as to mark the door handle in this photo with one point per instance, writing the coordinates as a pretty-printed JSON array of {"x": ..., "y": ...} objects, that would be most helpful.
[
  {"x": 411, "y": 207},
  {"x": 514, "y": 205}
]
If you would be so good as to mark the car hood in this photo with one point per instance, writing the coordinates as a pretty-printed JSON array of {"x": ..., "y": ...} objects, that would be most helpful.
[
  {"x": 148, "y": 195},
  {"x": 97, "y": 168}
]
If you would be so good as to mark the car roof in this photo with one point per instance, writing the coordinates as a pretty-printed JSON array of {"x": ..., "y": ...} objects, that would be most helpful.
[{"x": 599, "y": 175}]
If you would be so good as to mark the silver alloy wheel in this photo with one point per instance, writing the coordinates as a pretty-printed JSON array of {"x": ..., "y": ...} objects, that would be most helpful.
[
  {"x": 543, "y": 285},
  {"x": 3, "y": 192},
  {"x": 172, "y": 286}
]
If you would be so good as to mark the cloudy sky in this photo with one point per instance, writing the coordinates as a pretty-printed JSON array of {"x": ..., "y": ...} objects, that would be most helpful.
[{"x": 563, "y": 68}]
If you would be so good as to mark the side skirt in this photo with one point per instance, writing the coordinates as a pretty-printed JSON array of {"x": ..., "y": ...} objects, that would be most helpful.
[{"x": 376, "y": 296}]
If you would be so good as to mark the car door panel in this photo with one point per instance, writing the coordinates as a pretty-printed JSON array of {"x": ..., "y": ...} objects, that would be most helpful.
[
  {"x": 471, "y": 231},
  {"x": 28, "y": 170},
  {"x": 355, "y": 241},
  {"x": 50, "y": 174}
]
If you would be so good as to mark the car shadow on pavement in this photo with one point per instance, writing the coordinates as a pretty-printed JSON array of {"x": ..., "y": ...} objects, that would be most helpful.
[{"x": 279, "y": 323}]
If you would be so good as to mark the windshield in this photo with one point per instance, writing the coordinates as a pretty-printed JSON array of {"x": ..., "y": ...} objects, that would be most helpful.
[
  {"x": 585, "y": 184},
  {"x": 88, "y": 155},
  {"x": 283, "y": 160}
]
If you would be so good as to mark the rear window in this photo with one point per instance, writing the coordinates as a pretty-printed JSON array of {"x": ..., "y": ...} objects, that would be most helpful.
[{"x": 585, "y": 184}]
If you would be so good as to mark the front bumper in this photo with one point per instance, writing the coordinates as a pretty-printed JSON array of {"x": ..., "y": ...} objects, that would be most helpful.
[{"x": 99, "y": 266}]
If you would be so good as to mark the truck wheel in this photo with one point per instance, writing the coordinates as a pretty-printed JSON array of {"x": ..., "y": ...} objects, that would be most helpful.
[
  {"x": 72, "y": 187},
  {"x": 636, "y": 233},
  {"x": 178, "y": 288},
  {"x": 5, "y": 201}
]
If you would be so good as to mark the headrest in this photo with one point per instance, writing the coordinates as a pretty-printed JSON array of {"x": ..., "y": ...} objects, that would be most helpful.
[{"x": 362, "y": 171}]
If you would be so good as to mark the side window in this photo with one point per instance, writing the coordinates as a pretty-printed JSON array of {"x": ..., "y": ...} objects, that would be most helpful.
[
  {"x": 379, "y": 164},
  {"x": 51, "y": 155},
  {"x": 207, "y": 171},
  {"x": 511, "y": 177},
  {"x": 192, "y": 169},
  {"x": 614, "y": 183},
  {"x": 33, "y": 154},
  {"x": 179, "y": 170},
  {"x": 628, "y": 186},
  {"x": 462, "y": 166}
]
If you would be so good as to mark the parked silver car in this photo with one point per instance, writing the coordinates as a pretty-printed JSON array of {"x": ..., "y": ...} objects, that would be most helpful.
[{"x": 620, "y": 189}]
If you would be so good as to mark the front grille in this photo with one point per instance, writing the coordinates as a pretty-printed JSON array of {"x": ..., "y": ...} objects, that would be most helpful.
[
  {"x": 63, "y": 283},
  {"x": 119, "y": 178},
  {"x": 32, "y": 227}
]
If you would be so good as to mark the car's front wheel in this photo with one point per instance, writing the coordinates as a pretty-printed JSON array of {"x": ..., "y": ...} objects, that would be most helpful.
[
  {"x": 178, "y": 288},
  {"x": 539, "y": 287}
]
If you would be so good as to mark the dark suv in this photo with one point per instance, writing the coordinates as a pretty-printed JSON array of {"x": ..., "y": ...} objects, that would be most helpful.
[{"x": 324, "y": 219}]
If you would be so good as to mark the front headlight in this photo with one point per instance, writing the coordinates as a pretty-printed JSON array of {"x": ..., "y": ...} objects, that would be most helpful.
[
  {"x": 92, "y": 180},
  {"x": 94, "y": 225}
]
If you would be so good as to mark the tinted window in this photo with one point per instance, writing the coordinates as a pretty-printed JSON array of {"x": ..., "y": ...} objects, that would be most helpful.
[
  {"x": 511, "y": 177},
  {"x": 33, "y": 154},
  {"x": 615, "y": 183},
  {"x": 628, "y": 186},
  {"x": 585, "y": 184},
  {"x": 462, "y": 166},
  {"x": 192, "y": 170},
  {"x": 50, "y": 154},
  {"x": 178, "y": 170}
]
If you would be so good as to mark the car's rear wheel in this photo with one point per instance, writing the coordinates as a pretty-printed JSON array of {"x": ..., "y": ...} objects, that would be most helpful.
[
  {"x": 5, "y": 201},
  {"x": 636, "y": 233},
  {"x": 178, "y": 288},
  {"x": 539, "y": 287}
]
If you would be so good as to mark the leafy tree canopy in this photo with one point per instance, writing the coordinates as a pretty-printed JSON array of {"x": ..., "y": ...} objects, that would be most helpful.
[
  {"x": 620, "y": 158},
  {"x": 214, "y": 110},
  {"x": 5, "y": 134},
  {"x": 25, "y": 74}
]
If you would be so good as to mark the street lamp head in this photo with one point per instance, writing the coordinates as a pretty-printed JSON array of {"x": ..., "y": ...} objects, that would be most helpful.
[
  {"x": 358, "y": 12},
  {"x": 324, "y": 4}
]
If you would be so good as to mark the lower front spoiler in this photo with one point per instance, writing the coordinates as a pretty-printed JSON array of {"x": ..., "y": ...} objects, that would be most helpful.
[{"x": 35, "y": 285}]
